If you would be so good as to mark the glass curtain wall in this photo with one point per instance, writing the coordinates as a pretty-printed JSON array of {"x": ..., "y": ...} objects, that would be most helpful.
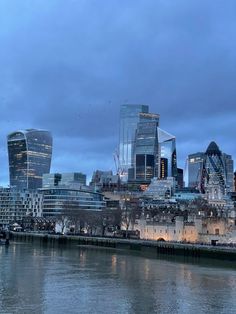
[
  {"x": 29, "y": 154},
  {"x": 129, "y": 118}
]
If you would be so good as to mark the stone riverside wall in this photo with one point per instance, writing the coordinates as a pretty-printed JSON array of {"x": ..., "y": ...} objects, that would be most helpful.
[{"x": 143, "y": 246}]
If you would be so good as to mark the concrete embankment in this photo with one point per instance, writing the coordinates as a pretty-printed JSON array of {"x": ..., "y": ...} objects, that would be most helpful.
[{"x": 143, "y": 246}]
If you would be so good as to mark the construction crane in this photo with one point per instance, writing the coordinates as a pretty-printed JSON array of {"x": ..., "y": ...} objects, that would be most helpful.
[
  {"x": 119, "y": 171},
  {"x": 117, "y": 162}
]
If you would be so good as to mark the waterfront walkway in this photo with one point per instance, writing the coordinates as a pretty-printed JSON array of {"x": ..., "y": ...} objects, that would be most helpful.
[{"x": 144, "y": 246}]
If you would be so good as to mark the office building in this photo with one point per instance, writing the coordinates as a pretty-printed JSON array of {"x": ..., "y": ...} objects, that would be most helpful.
[
  {"x": 234, "y": 181},
  {"x": 180, "y": 178},
  {"x": 64, "y": 179},
  {"x": 129, "y": 118},
  {"x": 215, "y": 175},
  {"x": 29, "y": 154},
  {"x": 160, "y": 188},
  {"x": 145, "y": 150},
  {"x": 16, "y": 204},
  {"x": 146, "y": 153},
  {"x": 105, "y": 181},
  {"x": 195, "y": 170},
  {"x": 167, "y": 147},
  {"x": 59, "y": 201},
  {"x": 229, "y": 168},
  {"x": 211, "y": 172},
  {"x": 163, "y": 168}
]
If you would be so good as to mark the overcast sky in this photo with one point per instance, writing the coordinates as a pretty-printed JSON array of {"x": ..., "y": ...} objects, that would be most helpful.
[{"x": 68, "y": 65}]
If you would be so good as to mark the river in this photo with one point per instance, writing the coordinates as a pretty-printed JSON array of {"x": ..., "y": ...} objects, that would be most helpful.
[{"x": 40, "y": 279}]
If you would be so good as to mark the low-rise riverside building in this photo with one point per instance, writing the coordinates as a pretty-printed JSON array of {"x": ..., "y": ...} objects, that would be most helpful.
[
  {"x": 51, "y": 202},
  {"x": 160, "y": 188},
  {"x": 67, "y": 200},
  {"x": 168, "y": 231},
  {"x": 199, "y": 230},
  {"x": 16, "y": 204}
]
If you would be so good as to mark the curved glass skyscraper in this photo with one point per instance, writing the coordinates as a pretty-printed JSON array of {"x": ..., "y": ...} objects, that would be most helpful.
[
  {"x": 29, "y": 154},
  {"x": 215, "y": 172},
  {"x": 211, "y": 172}
]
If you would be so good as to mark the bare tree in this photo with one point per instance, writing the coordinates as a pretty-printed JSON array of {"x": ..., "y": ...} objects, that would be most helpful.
[{"x": 131, "y": 210}]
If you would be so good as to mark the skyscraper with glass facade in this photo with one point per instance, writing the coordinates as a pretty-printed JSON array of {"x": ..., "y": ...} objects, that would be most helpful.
[
  {"x": 129, "y": 118},
  {"x": 229, "y": 168},
  {"x": 29, "y": 154},
  {"x": 146, "y": 155},
  {"x": 211, "y": 172},
  {"x": 195, "y": 170},
  {"x": 214, "y": 173},
  {"x": 167, "y": 147},
  {"x": 145, "y": 150}
]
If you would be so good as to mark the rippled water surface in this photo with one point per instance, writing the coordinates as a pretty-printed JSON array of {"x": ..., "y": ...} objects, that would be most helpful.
[{"x": 37, "y": 279}]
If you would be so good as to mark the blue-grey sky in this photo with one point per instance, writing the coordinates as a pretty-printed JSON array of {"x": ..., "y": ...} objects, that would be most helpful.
[{"x": 68, "y": 65}]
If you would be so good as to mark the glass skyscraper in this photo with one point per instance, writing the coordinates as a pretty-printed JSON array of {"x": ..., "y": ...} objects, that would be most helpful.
[
  {"x": 214, "y": 173},
  {"x": 229, "y": 168},
  {"x": 129, "y": 118},
  {"x": 146, "y": 155},
  {"x": 29, "y": 154},
  {"x": 167, "y": 146},
  {"x": 195, "y": 170},
  {"x": 145, "y": 151},
  {"x": 211, "y": 172}
]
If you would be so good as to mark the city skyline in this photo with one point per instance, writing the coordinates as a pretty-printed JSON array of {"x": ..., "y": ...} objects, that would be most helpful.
[{"x": 70, "y": 77}]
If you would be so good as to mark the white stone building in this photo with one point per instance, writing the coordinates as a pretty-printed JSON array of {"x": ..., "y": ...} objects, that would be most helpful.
[{"x": 199, "y": 230}]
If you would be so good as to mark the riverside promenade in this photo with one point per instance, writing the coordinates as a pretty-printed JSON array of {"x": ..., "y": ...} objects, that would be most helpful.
[{"x": 146, "y": 247}]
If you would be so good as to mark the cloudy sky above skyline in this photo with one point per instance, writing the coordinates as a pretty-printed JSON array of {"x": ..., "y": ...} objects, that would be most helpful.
[{"x": 68, "y": 65}]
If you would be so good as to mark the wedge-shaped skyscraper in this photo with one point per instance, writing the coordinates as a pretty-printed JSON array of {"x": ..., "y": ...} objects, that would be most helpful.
[{"x": 29, "y": 153}]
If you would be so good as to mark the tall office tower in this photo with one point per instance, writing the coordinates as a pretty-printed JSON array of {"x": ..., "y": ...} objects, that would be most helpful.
[
  {"x": 167, "y": 147},
  {"x": 229, "y": 168},
  {"x": 215, "y": 180},
  {"x": 180, "y": 178},
  {"x": 129, "y": 118},
  {"x": 234, "y": 182},
  {"x": 146, "y": 155},
  {"x": 195, "y": 171},
  {"x": 29, "y": 154}
]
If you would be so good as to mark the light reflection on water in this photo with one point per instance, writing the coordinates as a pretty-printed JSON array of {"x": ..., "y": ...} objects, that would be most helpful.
[{"x": 36, "y": 279}]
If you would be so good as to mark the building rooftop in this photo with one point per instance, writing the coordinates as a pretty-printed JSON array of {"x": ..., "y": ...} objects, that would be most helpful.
[{"x": 213, "y": 149}]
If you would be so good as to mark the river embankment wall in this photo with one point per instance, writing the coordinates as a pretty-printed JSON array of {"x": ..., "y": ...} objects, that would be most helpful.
[{"x": 143, "y": 246}]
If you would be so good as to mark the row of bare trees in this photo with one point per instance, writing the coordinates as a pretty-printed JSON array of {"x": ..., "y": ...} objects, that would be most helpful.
[{"x": 91, "y": 222}]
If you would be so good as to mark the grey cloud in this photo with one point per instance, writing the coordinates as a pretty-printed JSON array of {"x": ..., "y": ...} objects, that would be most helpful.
[{"x": 67, "y": 66}]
